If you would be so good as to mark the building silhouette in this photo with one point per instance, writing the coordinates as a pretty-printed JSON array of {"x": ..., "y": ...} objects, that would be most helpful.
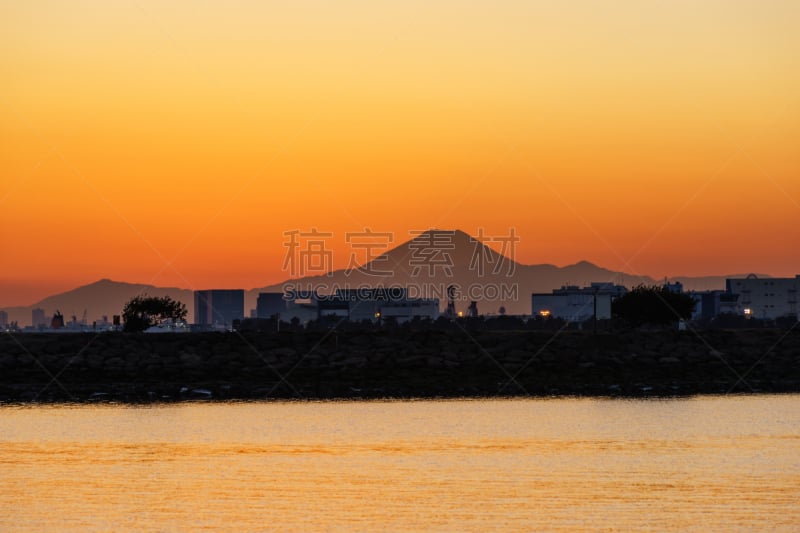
[
  {"x": 577, "y": 304},
  {"x": 218, "y": 307},
  {"x": 377, "y": 304},
  {"x": 270, "y": 304},
  {"x": 766, "y": 298},
  {"x": 373, "y": 304},
  {"x": 38, "y": 318},
  {"x": 710, "y": 304}
]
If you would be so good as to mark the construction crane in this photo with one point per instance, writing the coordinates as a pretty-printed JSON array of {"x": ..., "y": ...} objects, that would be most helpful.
[{"x": 58, "y": 320}]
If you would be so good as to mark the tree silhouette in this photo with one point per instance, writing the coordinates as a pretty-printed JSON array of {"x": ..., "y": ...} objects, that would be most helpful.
[
  {"x": 652, "y": 305},
  {"x": 142, "y": 312}
]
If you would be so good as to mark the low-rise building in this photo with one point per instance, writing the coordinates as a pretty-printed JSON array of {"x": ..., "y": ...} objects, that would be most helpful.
[
  {"x": 575, "y": 307},
  {"x": 356, "y": 305},
  {"x": 711, "y": 304},
  {"x": 596, "y": 287},
  {"x": 379, "y": 303},
  {"x": 577, "y": 304},
  {"x": 765, "y": 298}
]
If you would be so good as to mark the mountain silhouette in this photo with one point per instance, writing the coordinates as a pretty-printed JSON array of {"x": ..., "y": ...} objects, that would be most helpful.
[
  {"x": 426, "y": 264},
  {"x": 436, "y": 259}
]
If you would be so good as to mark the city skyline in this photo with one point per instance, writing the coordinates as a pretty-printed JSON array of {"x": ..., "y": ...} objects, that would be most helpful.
[
  {"x": 427, "y": 266},
  {"x": 420, "y": 261},
  {"x": 162, "y": 146}
]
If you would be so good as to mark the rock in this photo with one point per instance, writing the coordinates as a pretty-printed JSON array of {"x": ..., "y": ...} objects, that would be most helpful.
[
  {"x": 283, "y": 353},
  {"x": 95, "y": 361},
  {"x": 99, "y": 397},
  {"x": 351, "y": 361},
  {"x": 190, "y": 360},
  {"x": 435, "y": 362},
  {"x": 7, "y": 360},
  {"x": 547, "y": 356},
  {"x": 518, "y": 356},
  {"x": 25, "y": 359},
  {"x": 115, "y": 363},
  {"x": 411, "y": 360},
  {"x": 451, "y": 356}
]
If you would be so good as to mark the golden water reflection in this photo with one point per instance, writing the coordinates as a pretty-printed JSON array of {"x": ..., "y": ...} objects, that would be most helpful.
[{"x": 713, "y": 463}]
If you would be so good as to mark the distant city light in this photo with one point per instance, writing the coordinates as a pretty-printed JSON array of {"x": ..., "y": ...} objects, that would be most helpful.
[
  {"x": 748, "y": 311},
  {"x": 460, "y": 314},
  {"x": 544, "y": 313},
  {"x": 378, "y": 314}
]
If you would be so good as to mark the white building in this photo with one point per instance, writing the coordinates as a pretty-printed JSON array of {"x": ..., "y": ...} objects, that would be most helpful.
[
  {"x": 577, "y": 304},
  {"x": 767, "y": 298},
  {"x": 378, "y": 303},
  {"x": 576, "y": 307}
]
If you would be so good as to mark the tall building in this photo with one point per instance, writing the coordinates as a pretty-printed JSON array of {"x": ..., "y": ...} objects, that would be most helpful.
[
  {"x": 38, "y": 319},
  {"x": 218, "y": 306},
  {"x": 3, "y": 319}
]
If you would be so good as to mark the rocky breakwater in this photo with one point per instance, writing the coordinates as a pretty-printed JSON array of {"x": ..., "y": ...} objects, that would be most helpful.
[{"x": 394, "y": 363}]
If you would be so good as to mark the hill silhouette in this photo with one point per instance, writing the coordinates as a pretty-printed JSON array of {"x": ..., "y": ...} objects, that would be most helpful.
[
  {"x": 103, "y": 297},
  {"x": 428, "y": 264}
]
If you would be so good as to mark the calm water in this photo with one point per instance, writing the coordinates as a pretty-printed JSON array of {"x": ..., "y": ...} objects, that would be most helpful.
[{"x": 714, "y": 463}]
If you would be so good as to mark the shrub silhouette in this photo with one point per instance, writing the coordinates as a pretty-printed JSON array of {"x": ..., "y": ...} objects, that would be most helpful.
[
  {"x": 142, "y": 312},
  {"x": 652, "y": 305}
]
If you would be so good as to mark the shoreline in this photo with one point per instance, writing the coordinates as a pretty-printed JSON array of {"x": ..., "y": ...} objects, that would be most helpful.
[
  {"x": 428, "y": 363},
  {"x": 122, "y": 399}
]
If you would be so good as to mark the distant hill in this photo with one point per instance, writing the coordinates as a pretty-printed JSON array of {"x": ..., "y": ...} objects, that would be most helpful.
[
  {"x": 428, "y": 264},
  {"x": 103, "y": 297}
]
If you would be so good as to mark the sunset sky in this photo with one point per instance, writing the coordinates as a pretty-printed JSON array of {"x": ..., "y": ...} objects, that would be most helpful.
[{"x": 174, "y": 143}]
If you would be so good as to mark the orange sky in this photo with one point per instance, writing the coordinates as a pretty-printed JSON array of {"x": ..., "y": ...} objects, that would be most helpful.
[{"x": 174, "y": 144}]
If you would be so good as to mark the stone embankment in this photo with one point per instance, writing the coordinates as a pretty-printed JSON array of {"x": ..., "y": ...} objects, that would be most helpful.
[{"x": 394, "y": 363}]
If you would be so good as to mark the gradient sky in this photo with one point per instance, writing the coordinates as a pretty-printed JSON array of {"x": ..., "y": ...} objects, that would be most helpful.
[{"x": 174, "y": 142}]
